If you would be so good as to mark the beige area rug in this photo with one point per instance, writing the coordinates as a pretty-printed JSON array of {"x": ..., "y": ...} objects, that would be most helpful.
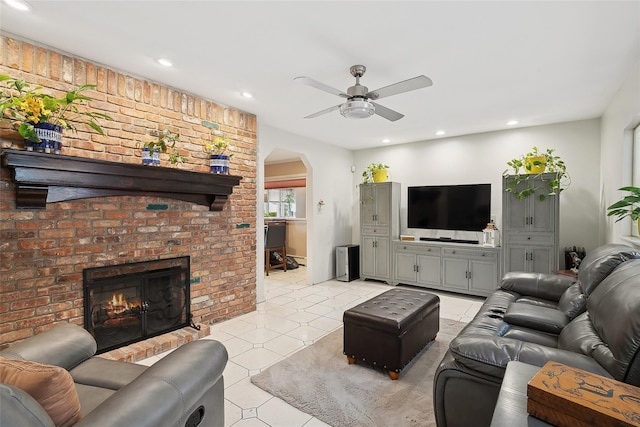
[{"x": 319, "y": 381}]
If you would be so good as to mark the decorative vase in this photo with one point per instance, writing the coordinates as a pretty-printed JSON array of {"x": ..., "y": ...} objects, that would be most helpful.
[
  {"x": 150, "y": 158},
  {"x": 219, "y": 163},
  {"x": 50, "y": 138},
  {"x": 380, "y": 175},
  {"x": 535, "y": 164}
]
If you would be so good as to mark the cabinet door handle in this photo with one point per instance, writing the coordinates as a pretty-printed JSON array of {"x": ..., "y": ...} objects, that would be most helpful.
[
  {"x": 526, "y": 220},
  {"x": 531, "y": 221}
]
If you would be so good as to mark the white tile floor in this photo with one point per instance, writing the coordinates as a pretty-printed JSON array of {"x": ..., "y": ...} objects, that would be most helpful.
[{"x": 294, "y": 316}]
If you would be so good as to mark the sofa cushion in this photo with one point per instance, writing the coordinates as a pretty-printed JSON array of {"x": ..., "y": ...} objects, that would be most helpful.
[
  {"x": 539, "y": 285},
  {"x": 614, "y": 311},
  {"x": 51, "y": 386},
  {"x": 600, "y": 262}
]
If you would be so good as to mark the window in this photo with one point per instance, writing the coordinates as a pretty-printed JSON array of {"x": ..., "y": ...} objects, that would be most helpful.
[{"x": 280, "y": 203}]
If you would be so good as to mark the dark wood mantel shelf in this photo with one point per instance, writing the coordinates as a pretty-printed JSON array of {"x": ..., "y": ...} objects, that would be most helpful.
[{"x": 46, "y": 178}]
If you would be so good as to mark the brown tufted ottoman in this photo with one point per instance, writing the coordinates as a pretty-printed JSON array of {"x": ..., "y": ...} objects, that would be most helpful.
[{"x": 389, "y": 330}]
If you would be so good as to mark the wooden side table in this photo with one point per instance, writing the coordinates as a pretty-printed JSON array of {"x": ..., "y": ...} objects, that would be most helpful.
[
  {"x": 511, "y": 409},
  {"x": 566, "y": 273}
]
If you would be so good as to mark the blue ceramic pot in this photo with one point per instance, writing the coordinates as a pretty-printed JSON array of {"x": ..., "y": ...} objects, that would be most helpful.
[{"x": 219, "y": 163}]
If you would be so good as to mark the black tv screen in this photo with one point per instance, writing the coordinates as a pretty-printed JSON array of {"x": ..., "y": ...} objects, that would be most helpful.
[{"x": 449, "y": 207}]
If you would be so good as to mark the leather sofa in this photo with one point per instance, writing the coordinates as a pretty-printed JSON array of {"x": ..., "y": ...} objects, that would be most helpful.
[
  {"x": 592, "y": 324},
  {"x": 185, "y": 388}
]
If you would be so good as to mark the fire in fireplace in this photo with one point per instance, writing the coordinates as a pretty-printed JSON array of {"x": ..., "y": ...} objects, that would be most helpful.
[{"x": 130, "y": 302}]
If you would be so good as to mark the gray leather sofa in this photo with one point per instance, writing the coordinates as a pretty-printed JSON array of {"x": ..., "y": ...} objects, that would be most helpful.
[
  {"x": 183, "y": 388},
  {"x": 592, "y": 324}
]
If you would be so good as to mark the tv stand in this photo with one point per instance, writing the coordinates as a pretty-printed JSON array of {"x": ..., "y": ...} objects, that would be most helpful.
[
  {"x": 449, "y": 240},
  {"x": 447, "y": 265}
]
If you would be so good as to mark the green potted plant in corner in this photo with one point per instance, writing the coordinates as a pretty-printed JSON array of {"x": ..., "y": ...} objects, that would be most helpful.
[
  {"x": 520, "y": 177},
  {"x": 628, "y": 206},
  {"x": 40, "y": 118},
  {"x": 164, "y": 143},
  {"x": 375, "y": 172},
  {"x": 219, "y": 159}
]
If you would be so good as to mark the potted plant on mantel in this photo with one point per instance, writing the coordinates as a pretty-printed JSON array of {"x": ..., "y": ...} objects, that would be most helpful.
[
  {"x": 520, "y": 177},
  {"x": 219, "y": 159},
  {"x": 40, "y": 118},
  {"x": 375, "y": 172},
  {"x": 628, "y": 206},
  {"x": 164, "y": 143}
]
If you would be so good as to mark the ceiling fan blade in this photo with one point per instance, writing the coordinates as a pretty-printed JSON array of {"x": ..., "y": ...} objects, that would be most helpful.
[
  {"x": 400, "y": 87},
  {"x": 325, "y": 111},
  {"x": 314, "y": 83},
  {"x": 387, "y": 113}
]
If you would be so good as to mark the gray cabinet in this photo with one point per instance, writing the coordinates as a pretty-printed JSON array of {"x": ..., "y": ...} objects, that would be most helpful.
[
  {"x": 379, "y": 225},
  {"x": 473, "y": 270},
  {"x": 531, "y": 230},
  {"x": 461, "y": 268},
  {"x": 417, "y": 264}
]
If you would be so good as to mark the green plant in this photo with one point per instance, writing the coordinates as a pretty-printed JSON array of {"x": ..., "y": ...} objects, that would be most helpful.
[
  {"x": 628, "y": 206},
  {"x": 26, "y": 106},
  {"x": 367, "y": 175},
  {"x": 165, "y": 143},
  {"x": 519, "y": 179}
]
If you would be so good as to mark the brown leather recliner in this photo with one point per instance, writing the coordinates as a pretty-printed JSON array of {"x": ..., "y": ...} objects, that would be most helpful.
[{"x": 592, "y": 324}]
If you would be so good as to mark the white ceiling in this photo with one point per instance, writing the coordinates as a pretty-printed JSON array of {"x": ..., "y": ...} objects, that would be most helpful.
[{"x": 537, "y": 62}]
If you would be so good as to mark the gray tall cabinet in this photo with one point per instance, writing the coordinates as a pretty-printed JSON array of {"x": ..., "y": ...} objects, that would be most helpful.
[
  {"x": 530, "y": 230},
  {"x": 379, "y": 225}
]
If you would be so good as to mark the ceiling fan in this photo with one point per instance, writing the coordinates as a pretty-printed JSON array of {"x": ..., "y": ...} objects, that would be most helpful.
[{"x": 359, "y": 103}]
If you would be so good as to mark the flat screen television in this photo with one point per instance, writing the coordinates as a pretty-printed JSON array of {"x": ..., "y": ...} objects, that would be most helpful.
[{"x": 449, "y": 207}]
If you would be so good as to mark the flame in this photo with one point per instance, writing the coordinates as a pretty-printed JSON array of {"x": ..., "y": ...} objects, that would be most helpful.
[{"x": 119, "y": 304}]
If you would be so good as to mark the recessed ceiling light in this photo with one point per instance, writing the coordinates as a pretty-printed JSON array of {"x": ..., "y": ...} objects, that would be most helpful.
[
  {"x": 386, "y": 141},
  {"x": 164, "y": 62},
  {"x": 512, "y": 122},
  {"x": 440, "y": 133},
  {"x": 19, "y": 5},
  {"x": 246, "y": 94}
]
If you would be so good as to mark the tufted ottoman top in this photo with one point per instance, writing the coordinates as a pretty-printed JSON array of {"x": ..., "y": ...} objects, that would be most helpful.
[{"x": 394, "y": 311}]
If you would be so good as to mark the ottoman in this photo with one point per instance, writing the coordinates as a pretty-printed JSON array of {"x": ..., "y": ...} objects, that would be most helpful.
[{"x": 388, "y": 331}]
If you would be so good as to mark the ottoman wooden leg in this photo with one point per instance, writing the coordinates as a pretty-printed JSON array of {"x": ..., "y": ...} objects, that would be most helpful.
[
  {"x": 394, "y": 375},
  {"x": 351, "y": 360}
]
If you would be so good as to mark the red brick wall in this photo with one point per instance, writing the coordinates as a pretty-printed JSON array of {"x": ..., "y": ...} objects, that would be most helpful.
[{"x": 43, "y": 252}]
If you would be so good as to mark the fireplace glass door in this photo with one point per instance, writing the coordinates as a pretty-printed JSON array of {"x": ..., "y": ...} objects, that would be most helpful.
[{"x": 131, "y": 302}]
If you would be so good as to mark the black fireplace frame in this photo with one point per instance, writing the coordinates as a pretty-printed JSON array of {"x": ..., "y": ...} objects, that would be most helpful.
[{"x": 143, "y": 271}]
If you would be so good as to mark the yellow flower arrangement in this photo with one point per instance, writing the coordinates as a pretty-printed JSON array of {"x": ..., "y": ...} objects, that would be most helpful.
[
  {"x": 218, "y": 145},
  {"x": 26, "y": 106}
]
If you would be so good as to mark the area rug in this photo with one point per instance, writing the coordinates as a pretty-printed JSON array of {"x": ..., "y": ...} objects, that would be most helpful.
[{"x": 319, "y": 381}]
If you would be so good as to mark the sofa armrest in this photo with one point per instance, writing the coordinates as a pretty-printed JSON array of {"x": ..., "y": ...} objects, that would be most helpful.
[
  {"x": 18, "y": 408},
  {"x": 170, "y": 391},
  {"x": 66, "y": 346},
  {"x": 539, "y": 285},
  {"x": 490, "y": 354},
  {"x": 543, "y": 319}
]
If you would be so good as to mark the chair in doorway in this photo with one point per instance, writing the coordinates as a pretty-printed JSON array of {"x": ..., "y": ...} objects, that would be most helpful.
[{"x": 275, "y": 240}]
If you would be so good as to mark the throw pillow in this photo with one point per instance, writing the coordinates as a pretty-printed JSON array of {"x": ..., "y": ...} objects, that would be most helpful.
[{"x": 51, "y": 386}]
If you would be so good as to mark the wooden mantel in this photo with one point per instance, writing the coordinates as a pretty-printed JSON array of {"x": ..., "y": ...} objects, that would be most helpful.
[{"x": 46, "y": 178}]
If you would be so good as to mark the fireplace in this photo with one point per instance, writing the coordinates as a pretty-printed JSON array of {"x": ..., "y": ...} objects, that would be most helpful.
[{"x": 130, "y": 302}]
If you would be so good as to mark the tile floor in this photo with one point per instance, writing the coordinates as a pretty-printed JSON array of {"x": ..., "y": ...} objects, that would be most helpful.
[{"x": 293, "y": 316}]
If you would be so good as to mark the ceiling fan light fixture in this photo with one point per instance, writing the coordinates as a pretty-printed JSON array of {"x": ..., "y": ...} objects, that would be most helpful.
[{"x": 357, "y": 109}]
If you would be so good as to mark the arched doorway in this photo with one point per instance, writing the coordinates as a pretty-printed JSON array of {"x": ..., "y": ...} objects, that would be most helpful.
[{"x": 287, "y": 196}]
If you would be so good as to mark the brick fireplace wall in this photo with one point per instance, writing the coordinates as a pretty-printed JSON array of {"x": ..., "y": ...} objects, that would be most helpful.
[{"x": 43, "y": 252}]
